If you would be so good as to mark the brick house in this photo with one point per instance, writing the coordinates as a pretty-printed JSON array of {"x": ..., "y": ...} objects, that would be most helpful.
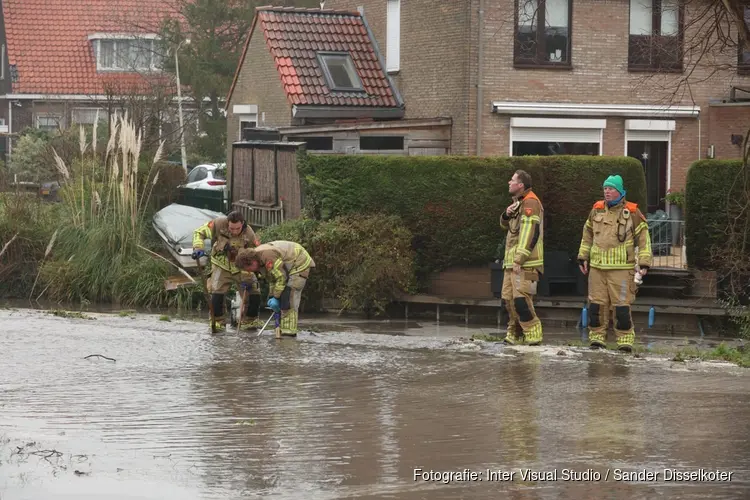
[
  {"x": 317, "y": 76},
  {"x": 597, "y": 80},
  {"x": 61, "y": 61}
]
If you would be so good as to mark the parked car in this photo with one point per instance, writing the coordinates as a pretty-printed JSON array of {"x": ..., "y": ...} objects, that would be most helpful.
[
  {"x": 211, "y": 176},
  {"x": 49, "y": 191}
]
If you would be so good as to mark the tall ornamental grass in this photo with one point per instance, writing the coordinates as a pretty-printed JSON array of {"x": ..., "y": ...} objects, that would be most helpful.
[{"x": 99, "y": 254}]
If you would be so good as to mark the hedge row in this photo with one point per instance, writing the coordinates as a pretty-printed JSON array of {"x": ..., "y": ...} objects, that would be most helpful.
[
  {"x": 714, "y": 194},
  {"x": 364, "y": 261},
  {"x": 452, "y": 204}
]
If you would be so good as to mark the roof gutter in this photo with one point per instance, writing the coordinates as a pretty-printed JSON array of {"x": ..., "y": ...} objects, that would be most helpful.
[
  {"x": 82, "y": 97},
  {"x": 333, "y": 112}
]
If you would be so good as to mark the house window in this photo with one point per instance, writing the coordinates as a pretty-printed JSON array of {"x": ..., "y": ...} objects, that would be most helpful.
[
  {"x": 743, "y": 63},
  {"x": 49, "y": 121},
  {"x": 316, "y": 143},
  {"x": 393, "y": 36},
  {"x": 127, "y": 54},
  {"x": 556, "y": 136},
  {"x": 87, "y": 116},
  {"x": 655, "y": 41},
  {"x": 247, "y": 124},
  {"x": 339, "y": 71},
  {"x": 381, "y": 142},
  {"x": 543, "y": 32}
]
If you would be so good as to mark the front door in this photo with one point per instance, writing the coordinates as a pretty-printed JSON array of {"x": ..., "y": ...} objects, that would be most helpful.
[{"x": 653, "y": 155}]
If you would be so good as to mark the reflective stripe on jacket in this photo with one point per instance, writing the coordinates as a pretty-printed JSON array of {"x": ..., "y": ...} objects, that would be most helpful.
[
  {"x": 524, "y": 243},
  {"x": 224, "y": 245}
]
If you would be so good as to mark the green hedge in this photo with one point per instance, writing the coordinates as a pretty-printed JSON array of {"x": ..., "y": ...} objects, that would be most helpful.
[
  {"x": 711, "y": 190},
  {"x": 452, "y": 204},
  {"x": 364, "y": 261}
]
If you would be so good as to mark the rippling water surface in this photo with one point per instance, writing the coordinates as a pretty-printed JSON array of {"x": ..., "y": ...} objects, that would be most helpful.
[{"x": 183, "y": 415}]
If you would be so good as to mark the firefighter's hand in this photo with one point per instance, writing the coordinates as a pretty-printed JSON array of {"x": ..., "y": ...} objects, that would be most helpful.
[
  {"x": 512, "y": 208},
  {"x": 643, "y": 271},
  {"x": 583, "y": 265},
  {"x": 197, "y": 254},
  {"x": 516, "y": 268}
]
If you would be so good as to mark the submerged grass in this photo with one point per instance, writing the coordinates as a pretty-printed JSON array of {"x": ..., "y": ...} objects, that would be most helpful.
[{"x": 737, "y": 355}]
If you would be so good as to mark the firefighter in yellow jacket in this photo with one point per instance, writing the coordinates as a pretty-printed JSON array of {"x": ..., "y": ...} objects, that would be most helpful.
[
  {"x": 228, "y": 235},
  {"x": 613, "y": 231},
  {"x": 286, "y": 266},
  {"x": 524, "y": 260}
]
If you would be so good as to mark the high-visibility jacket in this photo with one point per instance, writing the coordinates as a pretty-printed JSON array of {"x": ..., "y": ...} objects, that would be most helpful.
[
  {"x": 611, "y": 235},
  {"x": 224, "y": 246},
  {"x": 281, "y": 259},
  {"x": 524, "y": 243}
]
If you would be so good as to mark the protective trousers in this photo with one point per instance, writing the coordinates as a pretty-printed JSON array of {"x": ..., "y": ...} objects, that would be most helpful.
[
  {"x": 518, "y": 292},
  {"x": 218, "y": 286},
  {"x": 608, "y": 289},
  {"x": 290, "y": 301}
]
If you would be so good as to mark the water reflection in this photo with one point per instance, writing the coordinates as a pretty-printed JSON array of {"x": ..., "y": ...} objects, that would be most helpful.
[{"x": 193, "y": 416}]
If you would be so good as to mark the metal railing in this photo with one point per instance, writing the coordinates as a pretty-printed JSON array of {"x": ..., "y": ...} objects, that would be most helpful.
[{"x": 668, "y": 243}]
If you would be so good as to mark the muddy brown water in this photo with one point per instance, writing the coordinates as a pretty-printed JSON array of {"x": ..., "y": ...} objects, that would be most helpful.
[{"x": 183, "y": 415}]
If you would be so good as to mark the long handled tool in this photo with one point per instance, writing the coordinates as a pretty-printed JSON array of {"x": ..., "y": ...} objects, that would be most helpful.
[
  {"x": 273, "y": 314},
  {"x": 208, "y": 298},
  {"x": 242, "y": 310}
]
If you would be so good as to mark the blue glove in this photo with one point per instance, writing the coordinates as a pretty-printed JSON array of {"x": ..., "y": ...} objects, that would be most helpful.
[
  {"x": 198, "y": 254},
  {"x": 273, "y": 303},
  {"x": 246, "y": 287}
]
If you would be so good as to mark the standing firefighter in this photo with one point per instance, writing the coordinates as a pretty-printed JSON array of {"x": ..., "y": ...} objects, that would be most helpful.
[
  {"x": 612, "y": 232},
  {"x": 228, "y": 235},
  {"x": 287, "y": 266},
  {"x": 524, "y": 260}
]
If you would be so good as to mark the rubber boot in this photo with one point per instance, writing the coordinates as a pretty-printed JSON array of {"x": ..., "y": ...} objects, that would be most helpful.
[
  {"x": 217, "y": 301},
  {"x": 251, "y": 321}
]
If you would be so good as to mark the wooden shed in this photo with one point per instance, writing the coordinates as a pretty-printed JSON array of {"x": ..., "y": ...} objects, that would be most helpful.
[{"x": 264, "y": 183}]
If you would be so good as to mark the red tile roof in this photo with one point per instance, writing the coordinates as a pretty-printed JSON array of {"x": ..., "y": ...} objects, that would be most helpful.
[
  {"x": 295, "y": 35},
  {"x": 47, "y": 41}
]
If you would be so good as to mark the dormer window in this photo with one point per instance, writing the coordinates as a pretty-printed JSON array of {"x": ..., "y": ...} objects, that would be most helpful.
[
  {"x": 129, "y": 53},
  {"x": 339, "y": 71}
]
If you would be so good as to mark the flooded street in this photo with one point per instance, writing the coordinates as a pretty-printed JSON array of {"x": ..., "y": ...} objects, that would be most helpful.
[{"x": 178, "y": 414}]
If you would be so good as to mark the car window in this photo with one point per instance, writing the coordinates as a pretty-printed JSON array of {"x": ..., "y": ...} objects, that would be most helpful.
[
  {"x": 198, "y": 174},
  {"x": 192, "y": 176},
  {"x": 220, "y": 173}
]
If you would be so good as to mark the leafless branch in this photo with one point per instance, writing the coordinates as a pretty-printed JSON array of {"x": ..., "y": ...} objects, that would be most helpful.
[{"x": 100, "y": 356}]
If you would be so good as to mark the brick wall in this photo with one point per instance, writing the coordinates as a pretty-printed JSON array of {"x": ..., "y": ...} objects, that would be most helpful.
[
  {"x": 725, "y": 121},
  {"x": 434, "y": 79},
  {"x": 258, "y": 83}
]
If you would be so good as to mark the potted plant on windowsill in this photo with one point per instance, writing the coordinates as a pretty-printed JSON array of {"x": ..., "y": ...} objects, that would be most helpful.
[{"x": 676, "y": 200}]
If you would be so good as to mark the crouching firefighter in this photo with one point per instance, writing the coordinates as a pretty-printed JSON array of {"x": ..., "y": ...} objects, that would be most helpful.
[
  {"x": 524, "y": 260},
  {"x": 286, "y": 266},
  {"x": 228, "y": 235},
  {"x": 613, "y": 230}
]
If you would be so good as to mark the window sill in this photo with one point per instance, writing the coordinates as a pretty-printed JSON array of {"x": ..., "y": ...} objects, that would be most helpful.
[
  {"x": 393, "y": 72},
  {"x": 561, "y": 66},
  {"x": 645, "y": 69},
  {"x": 743, "y": 70}
]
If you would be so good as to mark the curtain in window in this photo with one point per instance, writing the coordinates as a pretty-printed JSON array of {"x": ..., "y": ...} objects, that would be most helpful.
[
  {"x": 527, "y": 14},
  {"x": 641, "y": 13},
  {"x": 556, "y": 13},
  {"x": 670, "y": 16},
  {"x": 106, "y": 53}
]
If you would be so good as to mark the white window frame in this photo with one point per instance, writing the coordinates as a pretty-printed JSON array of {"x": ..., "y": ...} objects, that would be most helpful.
[
  {"x": 57, "y": 116},
  {"x": 652, "y": 130},
  {"x": 554, "y": 125},
  {"x": 2, "y": 62},
  {"x": 393, "y": 37},
  {"x": 98, "y": 38},
  {"x": 245, "y": 113}
]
